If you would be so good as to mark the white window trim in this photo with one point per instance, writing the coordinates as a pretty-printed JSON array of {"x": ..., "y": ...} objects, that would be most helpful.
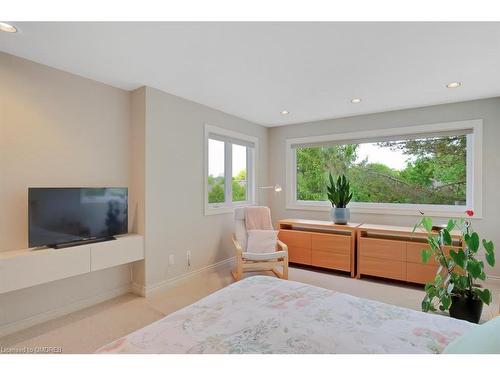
[
  {"x": 474, "y": 172},
  {"x": 252, "y": 160}
]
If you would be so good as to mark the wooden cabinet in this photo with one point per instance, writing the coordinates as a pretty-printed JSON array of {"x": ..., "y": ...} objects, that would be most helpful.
[
  {"x": 382, "y": 257},
  {"x": 299, "y": 245},
  {"x": 396, "y": 253},
  {"x": 295, "y": 238},
  {"x": 391, "y": 269},
  {"x": 382, "y": 249},
  {"x": 320, "y": 243},
  {"x": 420, "y": 273},
  {"x": 331, "y": 251},
  {"x": 414, "y": 253},
  {"x": 376, "y": 250}
]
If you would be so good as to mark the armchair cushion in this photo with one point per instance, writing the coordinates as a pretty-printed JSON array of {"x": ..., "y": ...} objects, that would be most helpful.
[{"x": 261, "y": 241}]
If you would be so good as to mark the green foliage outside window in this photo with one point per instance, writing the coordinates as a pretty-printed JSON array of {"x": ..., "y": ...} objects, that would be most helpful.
[
  {"x": 216, "y": 188},
  {"x": 435, "y": 172}
]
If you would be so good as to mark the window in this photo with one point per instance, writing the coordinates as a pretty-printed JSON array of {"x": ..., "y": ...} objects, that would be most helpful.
[
  {"x": 239, "y": 181},
  {"x": 433, "y": 168},
  {"x": 216, "y": 172},
  {"x": 229, "y": 177}
]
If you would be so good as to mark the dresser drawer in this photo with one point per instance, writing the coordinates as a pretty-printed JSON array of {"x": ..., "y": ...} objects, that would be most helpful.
[
  {"x": 333, "y": 243},
  {"x": 420, "y": 273},
  {"x": 301, "y": 255},
  {"x": 295, "y": 238},
  {"x": 414, "y": 253},
  {"x": 332, "y": 260},
  {"x": 390, "y": 269},
  {"x": 382, "y": 249}
]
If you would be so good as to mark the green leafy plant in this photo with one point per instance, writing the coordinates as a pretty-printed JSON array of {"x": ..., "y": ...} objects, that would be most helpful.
[
  {"x": 459, "y": 269},
  {"x": 338, "y": 191}
]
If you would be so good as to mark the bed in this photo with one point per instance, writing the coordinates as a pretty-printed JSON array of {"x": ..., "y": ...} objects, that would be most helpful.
[{"x": 262, "y": 314}]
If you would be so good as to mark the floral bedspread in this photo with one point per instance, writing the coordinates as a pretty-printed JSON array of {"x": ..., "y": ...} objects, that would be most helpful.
[{"x": 263, "y": 314}]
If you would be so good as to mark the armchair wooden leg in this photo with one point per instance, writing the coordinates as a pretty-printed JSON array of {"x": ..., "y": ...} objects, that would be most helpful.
[
  {"x": 285, "y": 268},
  {"x": 238, "y": 271},
  {"x": 236, "y": 277},
  {"x": 277, "y": 273}
]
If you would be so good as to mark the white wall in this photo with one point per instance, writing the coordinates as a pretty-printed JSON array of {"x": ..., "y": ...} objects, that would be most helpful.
[
  {"x": 175, "y": 185},
  {"x": 487, "y": 109},
  {"x": 56, "y": 129}
]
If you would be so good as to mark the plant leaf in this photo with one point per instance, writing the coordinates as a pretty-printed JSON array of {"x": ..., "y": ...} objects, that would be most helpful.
[
  {"x": 445, "y": 303},
  {"x": 428, "y": 287},
  {"x": 484, "y": 295},
  {"x": 427, "y": 223},
  {"x": 458, "y": 257},
  {"x": 490, "y": 258},
  {"x": 451, "y": 225},
  {"x": 426, "y": 305},
  {"x": 416, "y": 226},
  {"x": 488, "y": 246},
  {"x": 426, "y": 254},
  {"x": 464, "y": 282},
  {"x": 472, "y": 241},
  {"x": 446, "y": 237},
  {"x": 438, "y": 279},
  {"x": 474, "y": 268}
]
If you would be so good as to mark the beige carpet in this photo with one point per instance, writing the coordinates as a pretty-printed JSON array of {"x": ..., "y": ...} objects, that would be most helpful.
[{"x": 86, "y": 330}]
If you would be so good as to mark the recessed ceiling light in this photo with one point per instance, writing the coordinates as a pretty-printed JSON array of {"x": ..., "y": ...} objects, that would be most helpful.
[
  {"x": 284, "y": 112},
  {"x": 7, "y": 28},
  {"x": 454, "y": 85},
  {"x": 356, "y": 100}
]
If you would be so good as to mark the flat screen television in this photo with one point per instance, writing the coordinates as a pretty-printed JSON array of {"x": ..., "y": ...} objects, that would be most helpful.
[{"x": 66, "y": 215}]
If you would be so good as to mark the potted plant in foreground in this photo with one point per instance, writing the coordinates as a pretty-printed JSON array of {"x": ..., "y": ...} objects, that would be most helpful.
[
  {"x": 339, "y": 196},
  {"x": 454, "y": 287}
]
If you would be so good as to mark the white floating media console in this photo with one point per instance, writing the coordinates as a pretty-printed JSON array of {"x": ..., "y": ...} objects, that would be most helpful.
[{"x": 25, "y": 268}]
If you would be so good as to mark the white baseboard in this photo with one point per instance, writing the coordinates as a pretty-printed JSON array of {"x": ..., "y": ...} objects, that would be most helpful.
[
  {"x": 170, "y": 283},
  {"x": 493, "y": 278},
  {"x": 9, "y": 328}
]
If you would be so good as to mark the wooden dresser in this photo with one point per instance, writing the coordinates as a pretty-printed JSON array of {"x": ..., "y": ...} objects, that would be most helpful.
[
  {"x": 395, "y": 253},
  {"x": 320, "y": 243}
]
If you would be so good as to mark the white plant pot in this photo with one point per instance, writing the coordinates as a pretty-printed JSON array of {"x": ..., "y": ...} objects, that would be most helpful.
[{"x": 340, "y": 215}]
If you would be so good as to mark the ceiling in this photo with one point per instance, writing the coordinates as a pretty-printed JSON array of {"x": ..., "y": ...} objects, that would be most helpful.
[{"x": 256, "y": 70}]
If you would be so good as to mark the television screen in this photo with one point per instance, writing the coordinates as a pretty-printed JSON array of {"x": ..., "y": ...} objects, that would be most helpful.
[{"x": 60, "y": 215}]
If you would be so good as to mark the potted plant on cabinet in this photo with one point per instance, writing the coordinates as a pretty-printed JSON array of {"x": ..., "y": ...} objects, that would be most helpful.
[
  {"x": 454, "y": 287},
  {"x": 339, "y": 195}
]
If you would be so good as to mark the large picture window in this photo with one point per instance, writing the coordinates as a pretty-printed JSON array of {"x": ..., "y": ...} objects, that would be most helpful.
[
  {"x": 429, "y": 170},
  {"x": 229, "y": 177}
]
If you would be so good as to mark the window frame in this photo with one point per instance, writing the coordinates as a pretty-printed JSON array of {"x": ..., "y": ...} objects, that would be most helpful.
[
  {"x": 228, "y": 205},
  {"x": 473, "y": 165}
]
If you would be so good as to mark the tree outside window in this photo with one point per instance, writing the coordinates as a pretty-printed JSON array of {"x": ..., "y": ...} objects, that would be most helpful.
[{"x": 428, "y": 170}]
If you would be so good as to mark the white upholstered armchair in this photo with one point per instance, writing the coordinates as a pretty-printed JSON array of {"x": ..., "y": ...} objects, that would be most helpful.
[{"x": 257, "y": 261}]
